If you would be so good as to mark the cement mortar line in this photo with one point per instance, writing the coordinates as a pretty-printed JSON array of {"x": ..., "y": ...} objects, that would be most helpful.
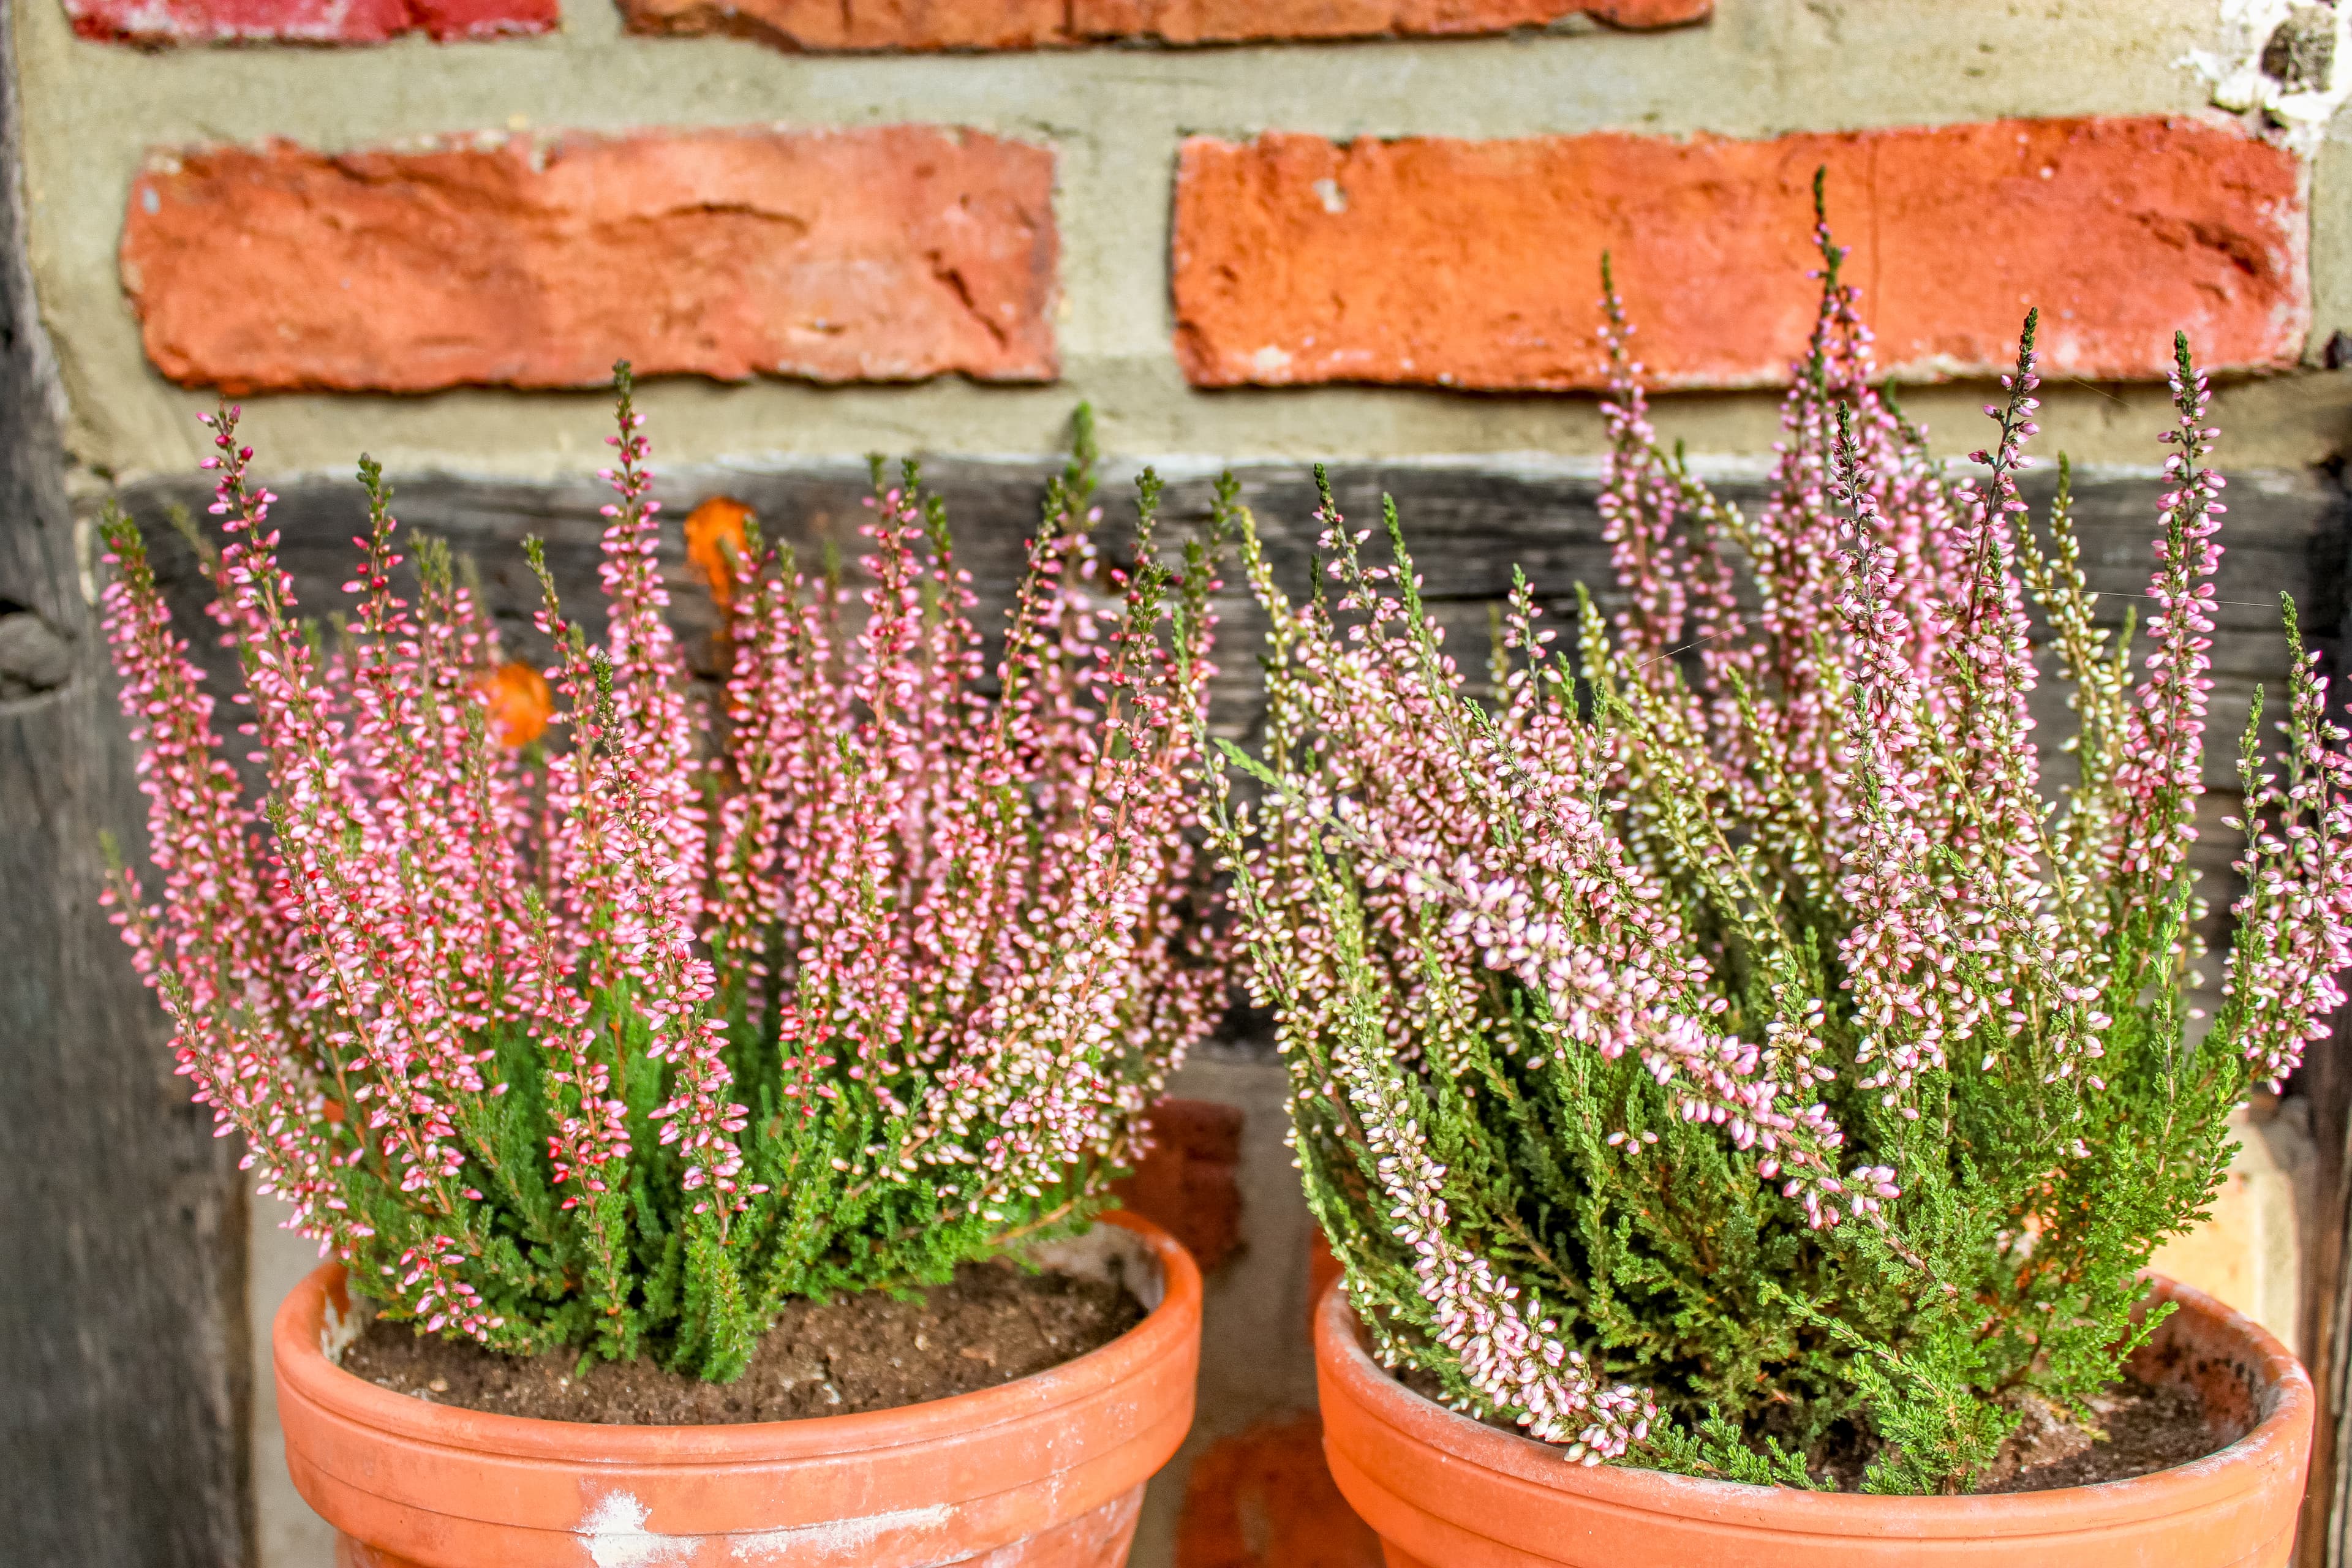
[
  {"x": 1119, "y": 469},
  {"x": 1723, "y": 78},
  {"x": 2278, "y": 423}
]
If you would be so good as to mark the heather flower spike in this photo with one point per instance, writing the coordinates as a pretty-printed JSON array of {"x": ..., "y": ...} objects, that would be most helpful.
[
  {"x": 1715, "y": 1050},
  {"x": 592, "y": 1009}
]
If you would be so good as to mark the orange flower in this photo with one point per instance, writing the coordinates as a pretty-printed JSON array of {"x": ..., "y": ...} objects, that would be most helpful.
[
  {"x": 519, "y": 705},
  {"x": 710, "y": 527}
]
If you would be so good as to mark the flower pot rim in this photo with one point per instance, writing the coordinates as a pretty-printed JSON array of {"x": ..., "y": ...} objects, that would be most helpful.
[
  {"x": 300, "y": 1360},
  {"x": 2287, "y": 1402}
]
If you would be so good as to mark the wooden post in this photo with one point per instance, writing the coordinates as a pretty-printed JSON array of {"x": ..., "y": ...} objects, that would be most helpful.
[{"x": 123, "y": 1354}]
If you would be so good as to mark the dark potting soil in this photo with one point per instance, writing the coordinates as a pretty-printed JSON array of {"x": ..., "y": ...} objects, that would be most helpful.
[
  {"x": 2147, "y": 1429},
  {"x": 995, "y": 1323}
]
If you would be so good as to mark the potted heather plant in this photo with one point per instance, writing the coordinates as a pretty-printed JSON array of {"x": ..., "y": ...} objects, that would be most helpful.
[
  {"x": 660, "y": 1088},
  {"x": 1730, "y": 1060}
]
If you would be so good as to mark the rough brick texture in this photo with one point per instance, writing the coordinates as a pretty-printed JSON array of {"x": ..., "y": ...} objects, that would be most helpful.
[
  {"x": 1476, "y": 264},
  {"x": 161, "y": 22},
  {"x": 928, "y": 25},
  {"x": 1186, "y": 1184},
  {"x": 884, "y": 255},
  {"x": 1264, "y": 1498}
]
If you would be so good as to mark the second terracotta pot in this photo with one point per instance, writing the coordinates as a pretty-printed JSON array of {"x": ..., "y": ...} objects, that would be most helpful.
[
  {"x": 1445, "y": 1491},
  {"x": 1044, "y": 1472}
]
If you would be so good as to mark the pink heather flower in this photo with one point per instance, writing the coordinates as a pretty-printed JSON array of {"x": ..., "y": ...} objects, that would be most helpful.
[
  {"x": 2157, "y": 774},
  {"x": 704, "y": 938},
  {"x": 2295, "y": 919},
  {"x": 649, "y": 683},
  {"x": 1779, "y": 834},
  {"x": 1478, "y": 1312},
  {"x": 980, "y": 903},
  {"x": 209, "y": 949}
]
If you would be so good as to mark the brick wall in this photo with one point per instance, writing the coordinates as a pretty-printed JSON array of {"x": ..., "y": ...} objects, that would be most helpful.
[
  {"x": 1262, "y": 232},
  {"x": 903, "y": 252},
  {"x": 1364, "y": 231}
]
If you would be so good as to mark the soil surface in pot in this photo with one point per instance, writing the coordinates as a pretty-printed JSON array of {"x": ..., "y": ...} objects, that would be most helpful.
[
  {"x": 994, "y": 1323},
  {"x": 2147, "y": 1429}
]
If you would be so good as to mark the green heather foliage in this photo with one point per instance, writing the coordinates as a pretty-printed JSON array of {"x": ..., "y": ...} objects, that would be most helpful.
[
  {"x": 1725, "y": 1050},
  {"x": 857, "y": 972}
]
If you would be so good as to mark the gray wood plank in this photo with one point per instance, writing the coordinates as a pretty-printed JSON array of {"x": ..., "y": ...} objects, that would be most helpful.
[{"x": 123, "y": 1351}]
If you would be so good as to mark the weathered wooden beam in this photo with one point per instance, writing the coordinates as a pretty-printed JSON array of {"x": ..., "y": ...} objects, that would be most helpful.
[
  {"x": 122, "y": 1342},
  {"x": 1467, "y": 527}
]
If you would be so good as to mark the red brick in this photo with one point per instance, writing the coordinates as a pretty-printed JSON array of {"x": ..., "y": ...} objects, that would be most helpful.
[
  {"x": 1185, "y": 1182},
  {"x": 1264, "y": 1498},
  {"x": 1476, "y": 264},
  {"x": 926, "y": 24},
  {"x": 160, "y": 22},
  {"x": 884, "y": 255}
]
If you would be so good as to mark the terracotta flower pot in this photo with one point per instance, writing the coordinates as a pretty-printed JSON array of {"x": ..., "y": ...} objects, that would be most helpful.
[
  {"x": 1445, "y": 1491},
  {"x": 1044, "y": 1472}
]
